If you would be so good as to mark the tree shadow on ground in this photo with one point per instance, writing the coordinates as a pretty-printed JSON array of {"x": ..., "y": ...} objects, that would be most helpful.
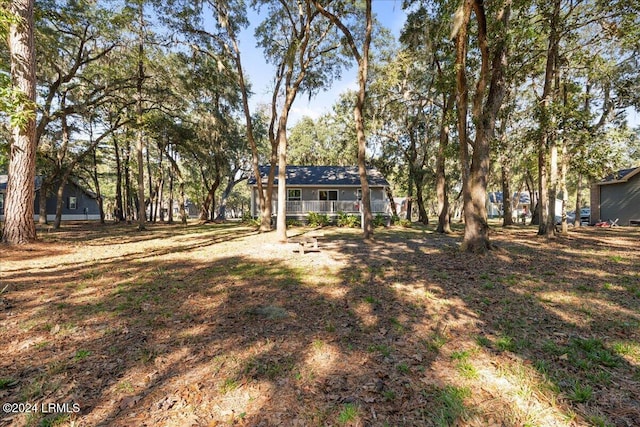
[{"x": 405, "y": 331}]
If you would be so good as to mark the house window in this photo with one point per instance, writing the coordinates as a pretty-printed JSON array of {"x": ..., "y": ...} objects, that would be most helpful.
[
  {"x": 1, "y": 201},
  {"x": 294, "y": 195},
  {"x": 73, "y": 203},
  {"x": 327, "y": 195}
]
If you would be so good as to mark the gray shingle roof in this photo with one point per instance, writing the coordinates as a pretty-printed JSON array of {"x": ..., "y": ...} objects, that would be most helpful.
[
  {"x": 324, "y": 175},
  {"x": 620, "y": 175}
]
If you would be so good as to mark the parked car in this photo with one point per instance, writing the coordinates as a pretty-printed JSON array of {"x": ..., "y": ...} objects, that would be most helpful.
[
  {"x": 571, "y": 217},
  {"x": 585, "y": 215}
]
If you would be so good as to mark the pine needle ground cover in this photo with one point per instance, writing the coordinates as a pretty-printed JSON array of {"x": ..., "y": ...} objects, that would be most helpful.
[{"x": 219, "y": 325}]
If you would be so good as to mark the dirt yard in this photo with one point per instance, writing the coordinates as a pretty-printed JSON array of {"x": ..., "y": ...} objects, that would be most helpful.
[{"x": 211, "y": 325}]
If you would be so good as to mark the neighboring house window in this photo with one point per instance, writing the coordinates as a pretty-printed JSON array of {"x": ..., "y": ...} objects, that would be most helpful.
[
  {"x": 294, "y": 195},
  {"x": 73, "y": 203},
  {"x": 327, "y": 195},
  {"x": 1, "y": 201}
]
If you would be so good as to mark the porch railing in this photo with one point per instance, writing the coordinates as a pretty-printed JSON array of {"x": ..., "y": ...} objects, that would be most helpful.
[{"x": 333, "y": 206}]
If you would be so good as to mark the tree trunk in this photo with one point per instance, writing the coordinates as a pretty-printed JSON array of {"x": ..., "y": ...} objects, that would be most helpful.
[
  {"x": 408, "y": 215},
  {"x": 475, "y": 174},
  {"x": 142, "y": 216},
  {"x": 19, "y": 226},
  {"x": 183, "y": 201},
  {"x": 170, "y": 210},
  {"x": 422, "y": 213},
  {"x": 281, "y": 226},
  {"x": 60, "y": 200},
  {"x": 444, "y": 214},
  {"x": 545, "y": 126},
  {"x": 128, "y": 196},
  {"x": 118, "y": 215},
  {"x": 507, "y": 210},
  {"x": 578, "y": 221},
  {"x": 96, "y": 184},
  {"x": 392, "y": 202},
  {"x": 563, "y": 186},
  {"x": 45, "y": 190}
]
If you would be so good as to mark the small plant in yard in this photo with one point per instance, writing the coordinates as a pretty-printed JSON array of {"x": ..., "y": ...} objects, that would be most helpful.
[
  {"x": 348, "y": 220},
  {"x": 379, "y": 221},
  {"x": 383, "y": 349},
  {"x": 483, "y": 341},
  {"x": 389, "y": 395},
  {"x": 81, "y": 354},
  {"x": 371, "y": 300},
  {"x": 436, "y": 342},
  {"x": 228, "y": 385},
  {"x": 505, "y": 344},
  {"x": 348, "y": 413},
  {"x": 451, "y": 405},
  {"x": 403, "y": 368},
  {"x": 7, "y": 382},
  {"x": 315, "y": 219},
  {"x": 580, "y": 393}
]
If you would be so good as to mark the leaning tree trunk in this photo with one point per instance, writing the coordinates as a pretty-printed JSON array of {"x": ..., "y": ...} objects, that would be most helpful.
[{"x": 19, "y": 226}]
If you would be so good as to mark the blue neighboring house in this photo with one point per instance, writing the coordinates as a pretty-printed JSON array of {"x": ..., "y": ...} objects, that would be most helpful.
[
  {"x": 324, "y": 189},
  {"x": 79, "y": 203}
]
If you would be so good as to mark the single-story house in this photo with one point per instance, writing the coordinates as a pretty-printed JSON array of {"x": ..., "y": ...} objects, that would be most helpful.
[
  {"x": 617, "y": 197},
  {"x": 324, "y": 189},
  {"x": 78, "y": 203},
  {"x": 519, "y": 201}
]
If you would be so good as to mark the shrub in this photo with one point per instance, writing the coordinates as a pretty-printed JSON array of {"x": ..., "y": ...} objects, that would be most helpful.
[
  {"x": 348, "y": 220},
  {"x": 293, "y": 223},
  {"x": 247, "y": 219},
  {"x": 379, "y": 220},
  {"x": 317, "y": 219}
]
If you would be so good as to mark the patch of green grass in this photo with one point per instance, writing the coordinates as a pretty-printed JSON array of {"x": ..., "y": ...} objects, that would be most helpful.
[
  {"x": 55, "y": 420},
  {"x": 580, "y": 393},
  {"x": 616, "y": 258},
  {"x": 399, "y": 327},
  {"x": 598, "y": 421},
  {"x": 627, "y": 348},
  {"x": 371, "y": 300},
  {"x": 585, "y": 353},
  {"x": 450, "y": 405},
  {"x": 229, "y": 385},
  {"x": 467, "y": 370},
  {"x": 7, "y": 382},
  {"x": 81, "y": 354},
  {"x": 125, "y": 387},
  {"x": 436, "y": 342},
  {"x": 505, "y": 343},
  {"x": 483, "y": 341},
  {"x": 460, "y": 355},
  {"x": 329, "y": 327},
  {"x": 318, "y": 344},
  {"x": 270, "y": 369},
  {"x": 403, "y": 368},
  {"x": 349, "y": 413},
  {"x": 389, "y": 395},
  {"x": 383, "y": 349}
]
